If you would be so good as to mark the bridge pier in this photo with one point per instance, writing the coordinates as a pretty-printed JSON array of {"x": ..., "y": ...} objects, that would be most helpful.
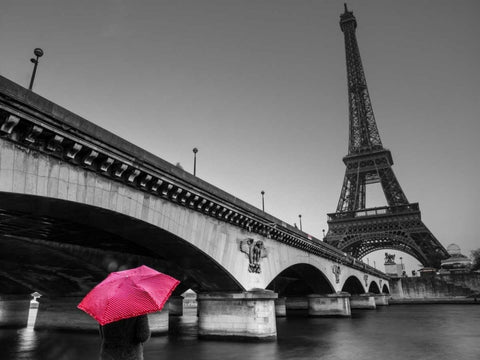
[
  {"x": 280, "y": 307},
  {"x": 14, "y": 311},
  {"x": 363, "y": 301},
  {"x": 241, "y": 316},
  {"x": 381, "y": 299},
  {"x": 175, "y": 305},
  {"x": 62, "y": 314},
  {"x": 158, "y": 321},
  {"x": 335, "y": 305},
  {"x": 296, "y": 305}
]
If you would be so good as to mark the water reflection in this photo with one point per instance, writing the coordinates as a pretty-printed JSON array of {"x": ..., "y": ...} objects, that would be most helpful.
[
  {"x": 27, "y": 343},
  {"x": 435, "y": 332}
]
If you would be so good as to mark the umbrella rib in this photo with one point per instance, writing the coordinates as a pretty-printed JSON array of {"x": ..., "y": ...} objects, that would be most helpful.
[
  {"x": 148, "y": 293},
  {"x": 166, "y": 296}
]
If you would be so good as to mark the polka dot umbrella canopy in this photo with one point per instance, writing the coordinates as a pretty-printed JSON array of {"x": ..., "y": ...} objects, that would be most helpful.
[{"x": 128, "y": 293}]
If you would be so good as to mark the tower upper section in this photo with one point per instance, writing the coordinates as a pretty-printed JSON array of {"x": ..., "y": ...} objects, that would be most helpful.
[{"x": 363, "y": 134}]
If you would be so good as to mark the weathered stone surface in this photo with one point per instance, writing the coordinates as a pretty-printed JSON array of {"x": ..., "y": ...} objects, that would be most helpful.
[
  {"x": 441, "y": 287},
  {"x": 363, "y": 301},
  {"x": 381, "y": 299},
  {"x": 329, "y": 305},
  {"x": 242, "y": 316}
]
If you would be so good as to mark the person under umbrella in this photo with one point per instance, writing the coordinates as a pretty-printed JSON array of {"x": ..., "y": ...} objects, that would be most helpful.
[
  {"x": 120, "y": 304},
  {"x": 123, "y": 339}
]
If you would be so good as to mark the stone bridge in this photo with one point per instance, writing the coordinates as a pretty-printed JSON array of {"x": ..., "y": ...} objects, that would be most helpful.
[{"x": 77, "y": 202}]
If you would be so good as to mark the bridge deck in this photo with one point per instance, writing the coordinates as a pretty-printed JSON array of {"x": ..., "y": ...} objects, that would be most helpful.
[{"x": 39, "y": 123}]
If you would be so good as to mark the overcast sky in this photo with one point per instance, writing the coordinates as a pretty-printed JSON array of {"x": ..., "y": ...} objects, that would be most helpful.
[{"x": 259, "y": 87}]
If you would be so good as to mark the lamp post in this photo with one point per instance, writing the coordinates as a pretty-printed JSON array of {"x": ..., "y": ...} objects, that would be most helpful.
[
  {"x": 263, "y": 200},
  {"x": 38, "y": 53},
  {"x": 300, "y": 221},
  {"x": 195, "y": 150}
]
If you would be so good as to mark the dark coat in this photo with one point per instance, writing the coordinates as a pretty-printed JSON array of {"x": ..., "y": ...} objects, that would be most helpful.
[{"x": 123, "y": 340}]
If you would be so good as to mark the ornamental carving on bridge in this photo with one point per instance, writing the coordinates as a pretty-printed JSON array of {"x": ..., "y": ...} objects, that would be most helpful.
[
  {"x": 365, "y": 277},
  {"x": 255, "y": 251},
  {"x": 336, "y": 271}
]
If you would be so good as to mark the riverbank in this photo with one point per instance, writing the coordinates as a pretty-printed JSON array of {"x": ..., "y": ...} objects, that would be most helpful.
[{"x": 430, "y": 301}]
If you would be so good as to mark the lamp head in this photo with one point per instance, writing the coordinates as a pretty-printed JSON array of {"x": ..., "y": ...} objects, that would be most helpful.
[{"x": 38, "y": 52}]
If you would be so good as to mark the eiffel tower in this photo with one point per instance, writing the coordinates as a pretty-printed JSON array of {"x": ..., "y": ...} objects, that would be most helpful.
[{"x": 358, "y": 230}]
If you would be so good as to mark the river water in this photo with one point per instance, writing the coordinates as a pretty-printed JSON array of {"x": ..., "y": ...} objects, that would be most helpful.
[{"x": 398, "y": 332}]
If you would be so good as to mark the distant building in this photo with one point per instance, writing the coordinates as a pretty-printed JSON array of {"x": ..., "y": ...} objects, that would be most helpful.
[{"x": 457, "y": 262}]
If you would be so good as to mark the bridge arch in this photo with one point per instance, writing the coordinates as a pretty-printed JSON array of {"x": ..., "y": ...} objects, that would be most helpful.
[
  {"x": 385, "y": 289},
  {"x": 77, "y": 245},
  {"x": 61, "y": 158},
  {"x": 353, "y": 285},
  {"x": 373, "y": 288},
  {"x": 301, "y": 279}
]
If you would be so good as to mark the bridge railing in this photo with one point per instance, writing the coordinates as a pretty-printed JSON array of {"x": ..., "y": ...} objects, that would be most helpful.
[{"x": 35, "y": 122}]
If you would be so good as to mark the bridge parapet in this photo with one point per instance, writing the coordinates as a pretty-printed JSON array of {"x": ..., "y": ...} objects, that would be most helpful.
[{"x": 34, "y": 122}]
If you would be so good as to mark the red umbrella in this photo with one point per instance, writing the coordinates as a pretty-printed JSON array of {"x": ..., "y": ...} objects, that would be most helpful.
[{"x": 128, "y": 293}]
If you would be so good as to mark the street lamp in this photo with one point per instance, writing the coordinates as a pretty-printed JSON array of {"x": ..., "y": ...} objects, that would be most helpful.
[
  {"x": 195, "y": 150},
  {"x": 38, "y": 53},
  {"x": 300, "y": 218},
  {"x": 263, "y": 200}
]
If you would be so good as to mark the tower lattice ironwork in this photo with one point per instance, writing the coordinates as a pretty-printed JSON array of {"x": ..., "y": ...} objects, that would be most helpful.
[{"x": 354, "y": 228}]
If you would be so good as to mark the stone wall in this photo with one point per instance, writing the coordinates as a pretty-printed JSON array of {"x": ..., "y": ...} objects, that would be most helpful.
[
  {"x": 439, "y": 287},
  {"x": 470, "y": 280}
]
